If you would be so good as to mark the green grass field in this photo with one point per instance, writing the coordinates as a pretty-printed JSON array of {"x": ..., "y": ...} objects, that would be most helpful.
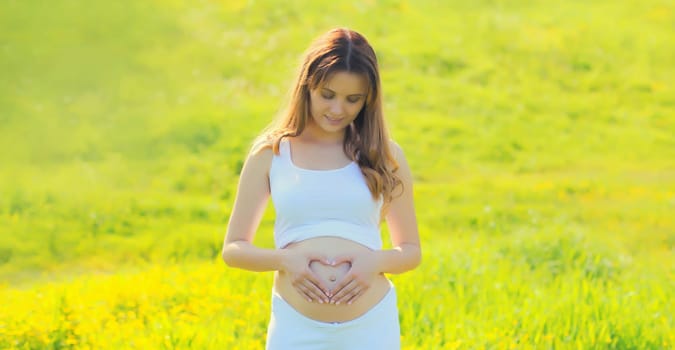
[{"x": 541, "y": 135}]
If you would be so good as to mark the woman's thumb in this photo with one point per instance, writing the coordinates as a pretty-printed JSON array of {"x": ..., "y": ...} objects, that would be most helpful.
[{"x": 340, "y": 259}]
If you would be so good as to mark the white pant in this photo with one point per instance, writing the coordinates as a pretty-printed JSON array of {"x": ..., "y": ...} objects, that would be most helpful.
[{"x": 377, "y": 329}]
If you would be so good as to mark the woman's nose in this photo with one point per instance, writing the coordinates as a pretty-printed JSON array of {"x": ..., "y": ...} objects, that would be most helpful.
[{"x": 336, "y": 108}]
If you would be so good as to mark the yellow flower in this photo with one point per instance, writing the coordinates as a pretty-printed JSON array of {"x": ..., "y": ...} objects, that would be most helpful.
[{"x": 71, "y": 340}]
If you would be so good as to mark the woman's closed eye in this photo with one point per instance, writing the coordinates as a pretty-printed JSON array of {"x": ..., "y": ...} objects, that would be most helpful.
[{"x": 349, "y": 99}]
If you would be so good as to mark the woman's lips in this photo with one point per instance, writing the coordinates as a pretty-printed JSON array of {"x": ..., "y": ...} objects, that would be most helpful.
[{"x": 333, "y": 120}]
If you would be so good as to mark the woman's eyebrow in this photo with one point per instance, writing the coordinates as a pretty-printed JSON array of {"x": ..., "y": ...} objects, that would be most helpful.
[{"x": 329, "y": 90}]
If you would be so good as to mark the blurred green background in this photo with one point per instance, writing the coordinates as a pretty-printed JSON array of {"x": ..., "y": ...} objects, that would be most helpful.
[{"x": 539, "y": 128}]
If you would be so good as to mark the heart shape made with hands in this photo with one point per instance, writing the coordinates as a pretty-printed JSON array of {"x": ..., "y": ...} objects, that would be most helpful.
[{"x": 330, "y": 274}]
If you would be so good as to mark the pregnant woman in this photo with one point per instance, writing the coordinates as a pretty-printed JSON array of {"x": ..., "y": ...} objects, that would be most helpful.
[{"x": 333, "y": 176}]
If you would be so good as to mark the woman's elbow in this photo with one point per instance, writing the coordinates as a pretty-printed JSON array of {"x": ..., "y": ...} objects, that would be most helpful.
[
  {"x": 228, "y": 256},
  {"x": 414, "y": 256}
]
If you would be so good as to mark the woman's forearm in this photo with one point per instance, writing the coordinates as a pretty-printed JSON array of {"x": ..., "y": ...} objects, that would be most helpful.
[
  {"x": 244, "y": 255},
  {"x": 399, "y": 259}
]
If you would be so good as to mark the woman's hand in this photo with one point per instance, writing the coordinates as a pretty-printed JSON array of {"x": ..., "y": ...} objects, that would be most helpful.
[
  {"x": 364, "y": 269},
  {"x": 296, "y": 264}
]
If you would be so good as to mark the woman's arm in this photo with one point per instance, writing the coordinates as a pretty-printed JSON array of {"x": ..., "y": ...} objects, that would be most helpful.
[
  {"x": 406, "y": 253},
  {"x": 251, "y": 200},
  {"x": 253, "y": 193}
]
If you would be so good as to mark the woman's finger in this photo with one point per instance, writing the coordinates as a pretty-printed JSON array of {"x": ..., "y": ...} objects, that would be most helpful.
[
  {"x": 306, "y": 290},
  {"x": 316, "y": 292},
  {"x": 318, "y": 285},
  {"x": 339, "y": 297},
  {"x": 354, "y": 295},
  {"x": 302, "y": 290},
  {"x": 351, "y": 295},
  {"x": 340, "y": 259},
  {"x": 342, "y": 284}
]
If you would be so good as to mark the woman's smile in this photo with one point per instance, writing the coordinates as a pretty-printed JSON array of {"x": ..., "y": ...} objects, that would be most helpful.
[{"x": 334, "y": 121}]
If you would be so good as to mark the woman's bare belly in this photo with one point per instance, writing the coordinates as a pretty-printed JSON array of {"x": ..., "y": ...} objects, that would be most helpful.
[{"x": 332, "y": 247}]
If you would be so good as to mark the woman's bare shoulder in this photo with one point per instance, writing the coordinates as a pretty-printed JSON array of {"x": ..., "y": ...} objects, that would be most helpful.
[
  {"x": 397, "y": 152},
  {"x": 260, "y": 157},
  {"x": 395, "y": 148}
]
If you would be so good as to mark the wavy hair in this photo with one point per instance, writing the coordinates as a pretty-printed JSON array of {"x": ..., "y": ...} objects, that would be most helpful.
[{"x": 366, "y": 140}]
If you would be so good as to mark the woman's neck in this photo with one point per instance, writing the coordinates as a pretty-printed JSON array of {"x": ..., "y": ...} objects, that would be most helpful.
[{"x": 313, "y": 133}]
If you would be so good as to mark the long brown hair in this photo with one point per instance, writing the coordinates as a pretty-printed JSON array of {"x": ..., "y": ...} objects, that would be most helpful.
[{"x": 366, "y": 140}]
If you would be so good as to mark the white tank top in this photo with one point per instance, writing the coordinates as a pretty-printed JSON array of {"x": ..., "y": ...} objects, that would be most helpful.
[{"x": 315, "y": 203}]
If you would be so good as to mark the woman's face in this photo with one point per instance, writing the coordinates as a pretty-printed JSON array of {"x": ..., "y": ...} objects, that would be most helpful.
[{"x": 338, "y": 102}]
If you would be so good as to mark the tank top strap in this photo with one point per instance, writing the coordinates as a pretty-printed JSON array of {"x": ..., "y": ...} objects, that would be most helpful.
[{"x": 285, "y": 150}]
